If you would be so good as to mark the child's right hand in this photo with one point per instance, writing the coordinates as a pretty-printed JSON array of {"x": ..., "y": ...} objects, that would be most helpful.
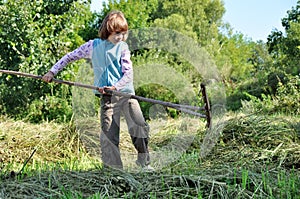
[{"x": 48, "y": 77}]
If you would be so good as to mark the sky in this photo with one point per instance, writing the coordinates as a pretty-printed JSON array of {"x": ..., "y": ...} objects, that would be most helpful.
[
  {"x": 256, "y": 18},
  {"x": 253, "y": 18}
]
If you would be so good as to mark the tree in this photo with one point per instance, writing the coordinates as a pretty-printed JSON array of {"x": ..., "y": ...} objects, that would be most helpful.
[
  {"x": 233, "y": 57},
  {"x": 203, "y": 17},
  {"x": 33, "y": 35},
  {"x": 285, "y": 47},
  {"x": 138, "y": 13}
]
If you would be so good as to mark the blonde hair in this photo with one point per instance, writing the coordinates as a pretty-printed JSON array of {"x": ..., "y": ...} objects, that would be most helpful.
[{"x": 114, "y": 21}]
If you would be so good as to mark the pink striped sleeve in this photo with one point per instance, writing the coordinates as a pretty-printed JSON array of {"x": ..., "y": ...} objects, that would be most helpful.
[
  {"x": 126, "y": 69},
  {"x": 84, "y": 51}
]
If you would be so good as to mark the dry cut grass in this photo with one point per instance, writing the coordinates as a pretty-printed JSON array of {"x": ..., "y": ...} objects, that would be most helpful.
[{"x": 255, "y": 157}]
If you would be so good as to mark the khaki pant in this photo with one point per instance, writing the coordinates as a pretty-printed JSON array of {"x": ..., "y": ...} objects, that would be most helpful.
[{"x": 111, "y": 108}]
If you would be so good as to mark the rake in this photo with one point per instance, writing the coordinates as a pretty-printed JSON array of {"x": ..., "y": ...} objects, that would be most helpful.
[{"x": 202, "y": 112}]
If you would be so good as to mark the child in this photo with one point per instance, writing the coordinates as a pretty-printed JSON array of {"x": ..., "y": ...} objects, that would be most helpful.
[{"x": 112, "y": 71}]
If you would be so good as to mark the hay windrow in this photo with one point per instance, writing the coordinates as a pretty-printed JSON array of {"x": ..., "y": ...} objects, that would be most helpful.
[
  {"x": 255, "y": 138},
  {"x": 54, "y": 142}
]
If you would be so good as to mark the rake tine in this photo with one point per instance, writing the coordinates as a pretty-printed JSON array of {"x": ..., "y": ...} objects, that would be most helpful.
[{"x": 207, "y": 105}]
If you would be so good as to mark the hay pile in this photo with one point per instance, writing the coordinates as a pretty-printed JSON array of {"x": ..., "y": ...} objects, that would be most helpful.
[
  {"x": 250, "y": 160},
  {"x": 54, "y": 142},
  {"x": 258, "y": 139}
]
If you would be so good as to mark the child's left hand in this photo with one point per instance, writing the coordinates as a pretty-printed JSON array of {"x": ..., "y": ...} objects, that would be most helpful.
[{"x": 106, "y": 89}]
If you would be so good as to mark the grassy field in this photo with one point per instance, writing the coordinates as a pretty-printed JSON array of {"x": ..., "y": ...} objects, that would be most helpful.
[{"x": 255, "y": 156}]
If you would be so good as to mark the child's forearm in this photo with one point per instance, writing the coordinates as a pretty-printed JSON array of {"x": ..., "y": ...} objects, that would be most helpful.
[{"x": 84, "y": 51}]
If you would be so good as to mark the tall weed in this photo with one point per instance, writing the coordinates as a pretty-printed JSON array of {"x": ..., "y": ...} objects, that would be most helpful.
[{"x": 286, "y": 100}]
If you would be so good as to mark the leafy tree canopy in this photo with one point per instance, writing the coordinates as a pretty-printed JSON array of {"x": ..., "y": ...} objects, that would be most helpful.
[
  {"x": 285, "y": 47},
  {"x": 33, "y": 36}
]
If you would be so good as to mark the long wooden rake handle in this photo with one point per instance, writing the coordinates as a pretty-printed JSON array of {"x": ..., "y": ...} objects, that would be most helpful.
[
  {"x": 53, "y": 80},
  {"x": 184, "y": 108}
]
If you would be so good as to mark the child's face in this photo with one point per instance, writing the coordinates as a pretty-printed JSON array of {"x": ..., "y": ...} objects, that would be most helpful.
[{"x": 116, "y": 37}]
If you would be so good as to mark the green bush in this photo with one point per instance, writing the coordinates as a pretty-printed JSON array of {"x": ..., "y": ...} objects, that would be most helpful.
[
  {"x": 49, "y": 108},
  {"x": 286, "y": 100},
  {"x": 33, "y": 36},
  {"x": 160, "y": 93},
  {"x": 273, "y": 80},
  {"x": 234, "y": 100},
  {"x": 243, "y": 92},
  {"x": 288, "y": 97}
]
